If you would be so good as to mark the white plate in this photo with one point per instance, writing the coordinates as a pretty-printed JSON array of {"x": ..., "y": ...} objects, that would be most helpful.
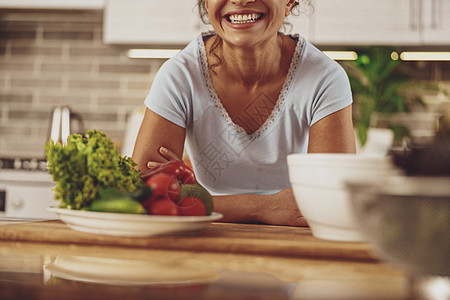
[
  {"x": 132, "y": 224},
  {"x": 112, "y": 271}
]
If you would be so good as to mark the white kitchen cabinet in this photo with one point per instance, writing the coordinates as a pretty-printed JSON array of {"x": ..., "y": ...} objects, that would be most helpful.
[
  {"x": 366, "y": 22},
  {"x": 300, "y": 24},
  {"x": 156, "y": 22},
  {"x": 435, "y": 22},
  {"x": 380, "y": 22},
  {"x": 52, "y": 4},
  {"x": 333, "y": 22}
]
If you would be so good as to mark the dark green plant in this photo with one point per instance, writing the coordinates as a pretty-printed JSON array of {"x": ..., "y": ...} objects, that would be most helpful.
[
  {"x": 400, "y": 132},
  {"x": 378, "y": 86}
]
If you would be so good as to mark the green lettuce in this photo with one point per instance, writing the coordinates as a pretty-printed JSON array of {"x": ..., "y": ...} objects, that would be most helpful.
[{"x": 87, "y": 165}]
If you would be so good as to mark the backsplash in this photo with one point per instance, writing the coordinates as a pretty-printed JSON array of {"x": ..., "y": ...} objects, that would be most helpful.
[{"x": 51, "y": 58}]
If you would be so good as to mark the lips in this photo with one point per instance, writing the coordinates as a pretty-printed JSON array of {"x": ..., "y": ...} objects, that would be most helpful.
[{"x": 244, "y": 18}]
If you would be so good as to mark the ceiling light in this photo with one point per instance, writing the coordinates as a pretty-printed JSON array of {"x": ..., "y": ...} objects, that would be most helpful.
[
  {"x": 425, "y": 56},
  {"x": 342, "y": 55},
  {"x": 394, "y": 56},
  {"x": 152, "y": 53}
]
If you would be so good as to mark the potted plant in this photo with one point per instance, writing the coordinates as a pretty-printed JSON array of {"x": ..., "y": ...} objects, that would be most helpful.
[{"x": 380, "y": 88}]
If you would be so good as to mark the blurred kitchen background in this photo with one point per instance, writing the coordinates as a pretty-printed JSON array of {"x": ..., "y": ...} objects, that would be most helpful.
[{"x": 76, "y": 53}]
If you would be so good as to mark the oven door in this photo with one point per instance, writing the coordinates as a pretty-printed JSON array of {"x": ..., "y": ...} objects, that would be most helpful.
[{"x": 26, "y": 200}]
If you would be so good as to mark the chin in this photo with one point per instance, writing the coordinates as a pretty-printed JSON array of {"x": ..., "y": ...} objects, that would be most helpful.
[{"x": 241, "y": 40}]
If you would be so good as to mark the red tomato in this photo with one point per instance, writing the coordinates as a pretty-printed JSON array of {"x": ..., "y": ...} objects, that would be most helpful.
[
  {"x": 164, "y": 207},
  {"x": 188, "y": 176},
  {"x": 191, "y": 206},
  {"x": 147, "y": 203},
  {"x": 173, "y": 167},
  {"x": 164, "y": 186}
]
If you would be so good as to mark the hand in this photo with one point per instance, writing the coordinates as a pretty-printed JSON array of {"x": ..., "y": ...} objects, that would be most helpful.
[
  {"x": 281, "y": 209},
  {"x": 167, "y": 154}
]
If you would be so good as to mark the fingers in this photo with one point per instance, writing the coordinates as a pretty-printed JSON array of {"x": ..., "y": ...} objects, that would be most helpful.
[
  {"x": 152, "y": 164},
  {"x": 145, "y": 175},
  {"x": 169, "y": 155}
]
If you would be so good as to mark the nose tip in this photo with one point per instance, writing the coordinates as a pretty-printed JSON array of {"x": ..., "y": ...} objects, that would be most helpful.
[{"x": 241, "y": 2}]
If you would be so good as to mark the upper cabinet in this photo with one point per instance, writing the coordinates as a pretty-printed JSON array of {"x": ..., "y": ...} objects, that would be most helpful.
[
  {"x": 377, "y": 22},
  {"x": 333, "y": 22},
  {"x": 52, "y": 4},
  {"x": 365, "y": 22},
  {"x": 436, "y": 22},
  {"x": 299, "y": 24},
  {"x": 151, "y": 22}
]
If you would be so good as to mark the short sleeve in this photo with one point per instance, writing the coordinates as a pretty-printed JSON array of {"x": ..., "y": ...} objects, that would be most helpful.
[
  {"x": 169, "y": 93},
  {"x": 333, "y": 94}
]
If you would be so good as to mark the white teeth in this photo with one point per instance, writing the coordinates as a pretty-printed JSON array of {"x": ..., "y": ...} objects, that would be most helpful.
[{"x": 247, "y": 18}]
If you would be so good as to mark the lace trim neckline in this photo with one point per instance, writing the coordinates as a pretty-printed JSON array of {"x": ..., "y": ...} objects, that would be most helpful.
[{"x": 281, "y": 97}]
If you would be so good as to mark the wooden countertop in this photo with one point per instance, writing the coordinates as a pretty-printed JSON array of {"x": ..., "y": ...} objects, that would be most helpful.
[
  {"x": 48, "y": 260},
  {"x": 217, "y": 237}
]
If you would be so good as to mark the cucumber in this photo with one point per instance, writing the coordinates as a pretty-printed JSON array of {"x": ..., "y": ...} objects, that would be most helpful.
[{"x": 126, "y": 205}]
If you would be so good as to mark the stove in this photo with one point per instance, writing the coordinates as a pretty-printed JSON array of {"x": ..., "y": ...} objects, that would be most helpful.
[
  {"x": 26, "y": 190},
  {"x": 27, "y": 164}
]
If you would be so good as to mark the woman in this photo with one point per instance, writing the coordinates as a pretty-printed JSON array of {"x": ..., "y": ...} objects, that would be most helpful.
[{"x": 244, "y": 97}]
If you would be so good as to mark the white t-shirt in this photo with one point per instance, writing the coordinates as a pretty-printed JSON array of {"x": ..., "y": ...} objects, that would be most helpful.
[{"x": 225, "y": 158}]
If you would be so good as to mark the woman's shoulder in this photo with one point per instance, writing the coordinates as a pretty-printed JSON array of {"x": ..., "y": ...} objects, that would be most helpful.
[
  {"x": 315, "y": 70},
  {"x": 306, "y": 53},
  {"x": 316, "y": 59},
  {"x": 186, "y": 60}
]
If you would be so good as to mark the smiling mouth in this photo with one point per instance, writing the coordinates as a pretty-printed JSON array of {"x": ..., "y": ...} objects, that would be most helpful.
[{"x": 244, "y": 18}]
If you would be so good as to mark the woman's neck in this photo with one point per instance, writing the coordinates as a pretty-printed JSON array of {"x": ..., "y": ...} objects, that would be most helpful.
[{"x": 253, "y": 66}]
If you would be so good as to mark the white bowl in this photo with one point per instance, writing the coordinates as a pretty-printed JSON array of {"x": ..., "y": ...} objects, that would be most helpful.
[{"x": 318, "y": 183}]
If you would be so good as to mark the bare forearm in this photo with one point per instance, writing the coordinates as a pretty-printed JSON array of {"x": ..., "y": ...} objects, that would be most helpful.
[
  {"x": 238, "y": 208},
  {"x": 277, "y": 209}
]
